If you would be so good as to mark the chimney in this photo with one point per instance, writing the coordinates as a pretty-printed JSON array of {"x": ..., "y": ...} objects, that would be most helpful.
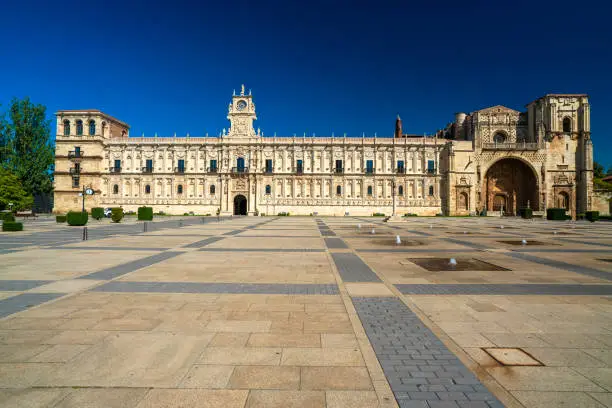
[{"x": 398, "y": 127}]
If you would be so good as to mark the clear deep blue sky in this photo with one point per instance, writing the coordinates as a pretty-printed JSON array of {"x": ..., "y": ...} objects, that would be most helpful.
[{"x": 314, "y": 66}]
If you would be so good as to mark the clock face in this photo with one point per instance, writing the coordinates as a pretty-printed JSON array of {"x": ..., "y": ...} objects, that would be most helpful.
[
  {"x": 89, "y": 191},
  {"x": 241, "y": 105}
]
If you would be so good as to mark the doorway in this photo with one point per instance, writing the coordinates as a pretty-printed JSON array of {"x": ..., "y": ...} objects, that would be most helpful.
[{"x": 240, "y": 205}]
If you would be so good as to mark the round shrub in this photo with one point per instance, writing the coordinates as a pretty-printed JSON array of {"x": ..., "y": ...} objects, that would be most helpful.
[
  {"x": 97, "y": 213},
  {"x": 117, "y": 214},
  {"x": 145, "y": 213},
  {"x": 12, "y": 226},
  {"x": 60, "y": 219},
  {"x": 77, "y": 218}
]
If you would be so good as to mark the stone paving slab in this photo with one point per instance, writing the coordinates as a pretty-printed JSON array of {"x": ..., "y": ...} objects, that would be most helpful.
[
  {"x": 583, "y": 270},
  {"x": 198, "y": 287},
  {"x": 202, "y": 243},
  {"x": 419, "y": 368},
  {"x": 261, "y": 249},
  {"x": 104, "y": 248},
  {"x": 21, "y": 285},
  {"x": 335, "y": 243},
  {"x": 115, "y": 271},
  {"x": 352, "y": 269},
  {"x": 24, "y": 301},
  {"x": 505, "y": 289}
]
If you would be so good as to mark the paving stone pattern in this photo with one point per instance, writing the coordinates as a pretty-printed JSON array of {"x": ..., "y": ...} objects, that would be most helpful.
[
  {"x": 197, "y": 287},
  {"x": 204, "y": 242},
  {"x": 20, "y": 285},
  {"x": 24, "y": 301},
  {"x": 335, "y": 243},
  {"x": 115, "y": 271},
  {"x": 421, "y": 371},
  {"x": 262, "y": 249},
  {"x": 505, "y": 289},
  {"x": 583, "y": 270},
  {"x": 352, "y": 269}
]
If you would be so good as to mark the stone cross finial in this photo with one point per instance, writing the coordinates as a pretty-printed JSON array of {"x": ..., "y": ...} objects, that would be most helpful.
[{"x": 242, "y": 90}]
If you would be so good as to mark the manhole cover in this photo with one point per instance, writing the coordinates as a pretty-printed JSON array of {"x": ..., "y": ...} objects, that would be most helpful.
[
  {"x": 529, "y": 242},
  {"x": 462, "y": 264},
  {"x": 512, "y": 357}
]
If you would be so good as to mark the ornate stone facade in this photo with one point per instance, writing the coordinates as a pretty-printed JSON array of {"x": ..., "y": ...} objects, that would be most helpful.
[{"x": 241, "y": 170}]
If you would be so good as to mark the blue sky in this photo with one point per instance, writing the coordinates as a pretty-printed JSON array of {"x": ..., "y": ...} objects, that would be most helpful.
[{"x": 315, "y": 66}]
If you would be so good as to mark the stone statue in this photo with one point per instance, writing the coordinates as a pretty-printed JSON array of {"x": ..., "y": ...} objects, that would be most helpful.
[{"x": 242, "y": 90}]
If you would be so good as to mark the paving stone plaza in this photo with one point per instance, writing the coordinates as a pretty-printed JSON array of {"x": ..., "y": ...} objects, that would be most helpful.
[{"x": 307, "y": 312}]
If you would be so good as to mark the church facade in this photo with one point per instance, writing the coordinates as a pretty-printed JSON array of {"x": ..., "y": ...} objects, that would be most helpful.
[{"x": 495, "y": 159}]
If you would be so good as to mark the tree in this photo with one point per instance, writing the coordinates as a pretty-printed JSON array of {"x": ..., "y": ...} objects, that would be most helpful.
[
  {"x": 26, "y": 149},
  {"x": 598, "y": 170},
  {"x": 11, "y": 191}
]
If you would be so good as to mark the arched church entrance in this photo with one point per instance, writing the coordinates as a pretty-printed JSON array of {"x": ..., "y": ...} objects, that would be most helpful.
[
  {"x": 240, "y": 205},
  {"x": 510, "y": 185}
]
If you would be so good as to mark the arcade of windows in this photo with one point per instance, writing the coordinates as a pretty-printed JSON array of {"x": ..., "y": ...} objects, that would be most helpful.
[{"x": 179, "y": 189}]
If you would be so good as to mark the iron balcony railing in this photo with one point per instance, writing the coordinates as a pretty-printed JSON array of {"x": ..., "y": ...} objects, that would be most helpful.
[
  {"x": 400, "y": 170},
  {"x": 75, "y": 154},
  {"x": 147, "y": 169},
  {"x": 298, "y": 170},
  {"x": 75, "y": 182},
  {"x": 212, "y": 170},
  {"x": 431, "y": 171},
  {"x": 115, "y": 169},
  {"x": 510, "y": 146},
  {"x": 240, "y": 169},
  {"x": 180, "y": 170},
  {"x": 338, "y": 170},
  {"x": 75, "y": 170},
  {"x": 370, "y": 172},
  {"x": 268, "y": 171}
]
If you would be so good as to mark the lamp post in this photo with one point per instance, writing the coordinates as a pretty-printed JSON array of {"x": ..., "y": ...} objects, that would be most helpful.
[
  {"x": 393, "y": 195},
  {"x": 86, "y": 191}
]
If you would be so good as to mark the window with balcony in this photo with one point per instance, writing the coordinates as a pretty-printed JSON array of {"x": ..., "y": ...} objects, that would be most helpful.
[
  {"x": 299, "y": 167},
  {"x": 369, "y": 167},
  {"x": 66, "y": 128},
  {"x": 180, "y": 168},
  {"x": 179, "y": 189},
  {"x": 339, "y": 168},
  {"x": 268, "y": 190},
  {"x": 240, "y": 165},
  {"x": 79, "y": 128},
  {"x": 431, "y": 166},
  {"x": 117, "y": 167},
  {"x": 213, "y": 166},
  {"x": 269, "y": 166},
  {"x": 148, "y": 168},
  {"x": 92, "y": 127}
]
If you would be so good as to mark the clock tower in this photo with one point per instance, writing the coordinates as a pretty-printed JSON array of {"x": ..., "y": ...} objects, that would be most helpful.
[{"x": 241, "y": 115}]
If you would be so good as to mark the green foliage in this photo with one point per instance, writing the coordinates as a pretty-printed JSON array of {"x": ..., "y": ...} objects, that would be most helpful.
[
  {"x": 410, "y": 215},
  {"x": 598, "y": 170},
  {"x": 283, "y": 214},
  {"x": 12, "y": 226},
  {"x": 555, "y": 214},
  {"x": 378, "y": 215},
  {"x": 526, "y": 213},
  {"x": 26, "y": 148},
  {"x": 7, "y": 216},
  {"x": 605, "y": 217},
  {"x": 145, "y": 213},
  {"x": 599, "y": 184},
  {"x": 116, "y": 214},
  {"x": 592, "y": 215},
  {"x": 12, "y": 191},
  {"x": 580, "y": 216},
  {"x": 60, "y": 219},
  {"x": 97, "y": 213},
  {"x": 77, "y": 218}
]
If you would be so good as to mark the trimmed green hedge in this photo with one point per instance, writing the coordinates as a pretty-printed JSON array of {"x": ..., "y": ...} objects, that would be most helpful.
[
  {"x": 145, "y": 213},
  {"x": 526, "y": 213},
  {"x": 410, "y": 215},
  {"x": 77, "y": 218},
  {"x": 378, "y": 215},
  {"x": 97, "y": 213},
  {"x": 592, "y": 215},
  {"x": 117, "y": 214},
  {"x": 283, "y": 214},
  {"x": 7, "y": 217},
  {"x": 12, "y": 226},
  {"x": 60, "y": 219},
  {"x": 555, "y": 214}
]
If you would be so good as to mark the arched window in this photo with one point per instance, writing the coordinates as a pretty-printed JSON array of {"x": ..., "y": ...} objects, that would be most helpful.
[
  {"x": 79, "y": 127},
  {"x": 338, "y": 190},
  {"x": 147, "y": 189},
  {"x": 400, "y": 190},
  {"x": 499, "y": 137},
  {"x": 268, "y": 189},
  {"x": 567, "y": 125},
  {"x": 212, "y": 189},
  {"x": 116, "y": 189},
  {"x": 431, "y": 190},
  {"x": 66, "y": 128},
  {"x": 92, "y": 127},
  {"x": 179, "y": 189},
  {"x": 369, "y": 190}
]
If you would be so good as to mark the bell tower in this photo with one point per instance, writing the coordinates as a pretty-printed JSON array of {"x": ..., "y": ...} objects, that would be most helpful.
[{"x": 241, "y": 115}]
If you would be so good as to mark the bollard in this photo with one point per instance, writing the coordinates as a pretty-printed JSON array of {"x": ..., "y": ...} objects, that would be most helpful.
[{"x": 84, "y": 233}]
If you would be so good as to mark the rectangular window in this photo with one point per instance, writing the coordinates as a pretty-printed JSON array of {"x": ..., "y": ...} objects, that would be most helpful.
[
  {"x": 431, "y": 166},
  {"x": 339, "y": 168},
  {"x": 149, "y": 164},
  {"x": 77, "y": 150},
  {"x": 300, "y": 166},
  {"x": 370, "y": 166},
  {"x": 75, "y": 181},
  {"x": 117, "y": 165},
  {"x": 400, "y": 167},
  {"x": 181, "y": 165},
  {"x": 213, "y": 165},
  {"x": 269, "y": 167}
]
